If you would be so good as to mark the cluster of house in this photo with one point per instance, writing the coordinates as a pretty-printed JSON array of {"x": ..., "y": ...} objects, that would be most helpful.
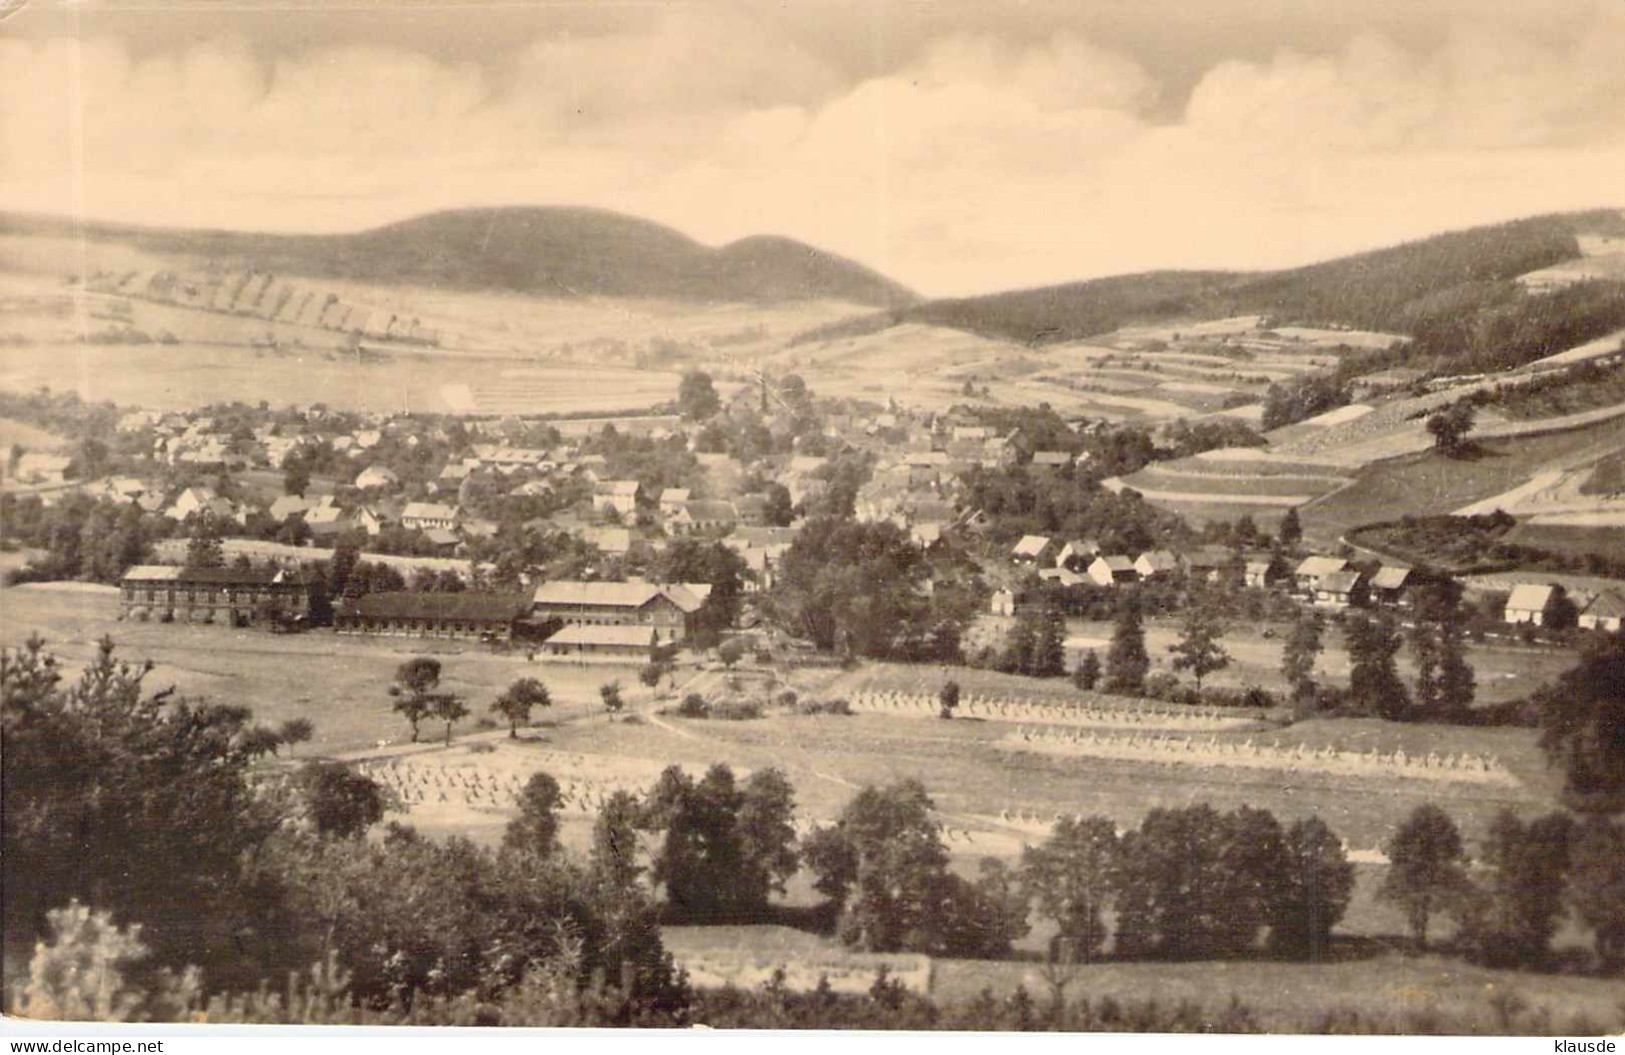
[
  {"x": 1326, "y": 582},
  {"x": 600, "y": 620},
  {"x": 918, "y": 484}
]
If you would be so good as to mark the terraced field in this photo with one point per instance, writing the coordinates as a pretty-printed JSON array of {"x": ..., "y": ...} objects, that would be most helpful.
[{"x": 1225, "y": 485}]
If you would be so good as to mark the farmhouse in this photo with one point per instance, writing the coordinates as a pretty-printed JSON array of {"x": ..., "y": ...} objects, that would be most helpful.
[
  {"x": 422, "y": 516},
  {"x": 670, "y": 612},
  {"x": 1309, "y": 573},
  {"x": 1532, "y": 603},
  {"x": 410, "y": 613},
  {"x": 1077, "y": 555},
  {"x": 233, "y": 596},
  {"x": 619, "y": 495},
  {"x": 1207, "y": 563},
  {"x": 189, "y": 501},
  {"x": 1051, "y": 460},
  {"x": 1031, "y": 549},
  {"x": 703, "y": 517},
  {"x": 290, "y": 505},
  {"x": 1261, "y": 574},
  {"x": 1391, "y": 585},
  {"x": 1153, "y": 563},
  {"x": 673, "y": 499},
  {"x": 1114, "y": 570},
  {"x": 628, "y": 643},
  {"x": 1340, "y": 589},
  {"x": 1605, "y": 613}
]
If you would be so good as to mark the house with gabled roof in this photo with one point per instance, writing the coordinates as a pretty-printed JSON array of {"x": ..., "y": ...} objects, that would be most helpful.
[
  {"x": 672, "y": 499},
  {"x": 1032, "y": 549},
  {"x": 1207, "y": 563},
  {"x": 189, "y": 501},
  {"x": 1341, "y": 589},
  {"x": 1605, "y": 612},
  {"x": 751, "y": 510},
  {"x": 619, "y": 495},
  {"x": 1261, "y": 574},
  {"x": 704, "y": 516},
  {"x": 1532, "y": 603},
  {"x": 290, "y": 505},
  {"x": 1392, "y": 584},
  {"x": 1077, "y": 554},
  {"x": 1310, "y": 570},
  {"x": 1113, "y": 570},
  {"x": 1155, "y": 562}
]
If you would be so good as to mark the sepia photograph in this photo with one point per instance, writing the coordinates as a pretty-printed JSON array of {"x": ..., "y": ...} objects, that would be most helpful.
[{"x": 1077, "y": 516}]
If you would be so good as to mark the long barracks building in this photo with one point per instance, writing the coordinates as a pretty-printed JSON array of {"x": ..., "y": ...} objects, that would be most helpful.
[{"x": 230, "y": 596}]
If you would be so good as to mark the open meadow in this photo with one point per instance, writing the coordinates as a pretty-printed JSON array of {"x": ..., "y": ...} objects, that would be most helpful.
[
  {"x": 992, "y": 796},
  {"x": 340, "y": 684},
  {"x": 1430, "y": 483}
]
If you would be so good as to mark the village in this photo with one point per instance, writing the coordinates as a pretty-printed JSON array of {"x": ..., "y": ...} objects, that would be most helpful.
[{"x": 538, "y": 531}]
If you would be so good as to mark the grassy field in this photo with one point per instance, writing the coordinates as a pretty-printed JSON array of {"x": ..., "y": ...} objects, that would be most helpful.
[
  {"x": 1505, "y": 671},
  {"x": 338, "y": 683},
  {"x": 1376, "y": 982},
  {"x": 1577, "y": 541},
  {"x": 1430, "y": 483},
  {"x": 967, "y": 766}
]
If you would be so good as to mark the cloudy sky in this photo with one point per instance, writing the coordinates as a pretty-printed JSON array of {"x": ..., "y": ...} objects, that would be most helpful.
[{"x": 958, "y": 147}]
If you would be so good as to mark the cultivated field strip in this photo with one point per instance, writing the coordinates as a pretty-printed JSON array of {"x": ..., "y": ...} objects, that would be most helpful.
[
  {"x": 1482, "y": 770},
  {"x": 1007, "y": 709}
]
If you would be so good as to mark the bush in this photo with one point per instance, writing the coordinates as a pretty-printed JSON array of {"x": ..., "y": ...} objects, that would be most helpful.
[
  {"x": 736, "y": 711},
  {"x": 839, "y": 706},
  {"x": 482, "y": 747},
  {"x": 1251, "y": 698},
  {"x": 787, "y": 699},
  {"x": 1166, "y": 687},
  {"x": 693, "y": 706}
]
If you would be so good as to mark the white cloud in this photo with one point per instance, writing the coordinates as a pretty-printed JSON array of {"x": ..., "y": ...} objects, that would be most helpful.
[{"x": 981, "y": 162}]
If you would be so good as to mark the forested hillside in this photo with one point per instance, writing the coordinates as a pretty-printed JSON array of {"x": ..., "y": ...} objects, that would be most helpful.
[{"x": 1455, "y": 292}]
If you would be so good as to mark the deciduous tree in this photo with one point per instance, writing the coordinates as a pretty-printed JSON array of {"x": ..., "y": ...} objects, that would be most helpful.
[
  {"x": 1198, "y": 649},
  {"x": 1426, "y": 871},
  {"x": 1312, "y": 891},
  {"x": 518, "y": 701},
  {"x": 1069, "y": 877},
  {"x": 535, "y": 830}
]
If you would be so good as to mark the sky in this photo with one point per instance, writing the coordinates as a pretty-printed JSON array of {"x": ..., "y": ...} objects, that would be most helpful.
[{"x": 956, "y": 147}]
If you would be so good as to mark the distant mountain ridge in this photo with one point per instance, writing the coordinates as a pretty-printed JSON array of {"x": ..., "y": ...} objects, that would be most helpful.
[
  {"x": 1403, "y": 289},
  {"x": 537, "y": 250}
]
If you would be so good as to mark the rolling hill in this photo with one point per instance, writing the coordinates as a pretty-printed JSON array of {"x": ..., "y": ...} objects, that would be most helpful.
[
  {"x": 1407, "y": 288},
  {"x": 540, "y": 251}
]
